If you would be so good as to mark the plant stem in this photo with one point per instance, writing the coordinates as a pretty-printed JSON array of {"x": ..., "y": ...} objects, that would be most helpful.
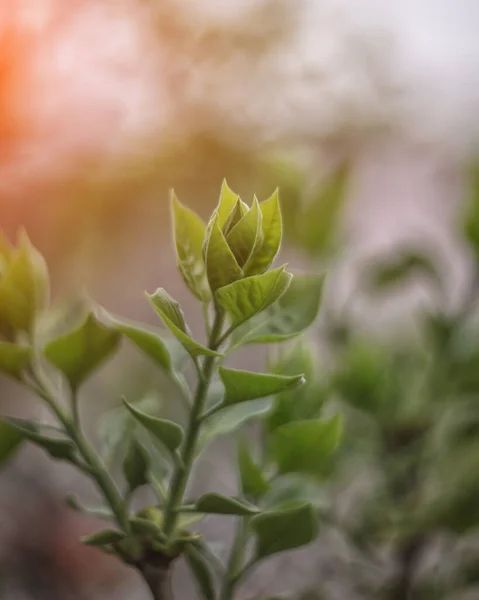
[
  {"x": 156, "y": 572},
  {"x": 98, "y": 470},
  {"x": 236, "y": 559},
  {"x": 182, "y": 471}
]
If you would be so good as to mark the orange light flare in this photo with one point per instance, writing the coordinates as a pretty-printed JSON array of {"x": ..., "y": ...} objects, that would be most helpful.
[
  {"x": 20, "y": 33},
  {"x": 79, "y": 89}
]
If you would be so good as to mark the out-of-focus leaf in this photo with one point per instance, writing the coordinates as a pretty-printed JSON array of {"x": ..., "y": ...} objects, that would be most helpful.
[
  {"x": 14, "y": 358},
  {"x": 306, "y": 446},
  {"x": 57, "y": 448},
  {"x": 253, "y": 482},
  {"x": 24, "y": 285},
  {"x": 201, "y": 569},
  {"x": 10, "y": 440},
  {"x": 136, "y": 465},
  {"x": 106, "y": 537},
  {"x": 78, "y": 353},
  {"x": 284, "y": 529},
  {"x": 379, "y": 277}
]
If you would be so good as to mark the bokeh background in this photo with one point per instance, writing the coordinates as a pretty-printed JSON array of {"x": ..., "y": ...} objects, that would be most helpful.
[{"x": 105, "y": 106}]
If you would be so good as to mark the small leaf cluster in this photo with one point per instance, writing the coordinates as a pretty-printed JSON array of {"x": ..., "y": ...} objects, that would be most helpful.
[{"x": 227, "y": 264}]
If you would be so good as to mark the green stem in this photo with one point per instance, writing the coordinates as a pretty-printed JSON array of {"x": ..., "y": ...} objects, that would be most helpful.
[
  {"x": 234, "y": 568},
  {"x": 97, "y": 468},
  {"x": 182, "y": 472}
]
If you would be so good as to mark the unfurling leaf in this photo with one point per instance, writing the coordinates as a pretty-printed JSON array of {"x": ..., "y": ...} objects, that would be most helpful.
[
  {"x": 295, "y": 311},
  {"x": 14, "y": 359},
  {"x": 245, "y": 298},
  {"x": 247, "y": 235},
  {"x": 226, "y": 205},
  {"x": 236, "y": 214},
  {"x": 168, "y": 433},
  {"x": 78, "y": 353},
  {"x": 221, "y": 505},
  {"x": 170, "y": 312},
  {"x": 222, "y": 267},
  {"x": 241, "y": 386},
  {"x": 253, "y": 481},
  {"x": 190, "y": 233},
  {"x": 201, "y": 569},
  {"x": 285, "y": 529},
  {"x": 306, "y": 446},
  {"x": 136, "y": 466},
  {"x": 272, "y": 229}
]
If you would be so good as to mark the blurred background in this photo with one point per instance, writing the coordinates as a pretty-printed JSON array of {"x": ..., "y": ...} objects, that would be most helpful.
[{"x": 364, "y": 113}]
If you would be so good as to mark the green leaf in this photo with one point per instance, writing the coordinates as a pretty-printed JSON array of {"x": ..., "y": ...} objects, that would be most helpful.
[
  {"x": 170, "y": 312},
  {"x": 285, "y": 529},
  {"x": 117, "y": 425},
  {"x": 201, "y": 569},
  {"x": 147, "y": 341},
  {"x": 231, "y": 418},
  {"x": 24, "y": 285},
  {"x": 101, "y": 512},
  {"x": 226, "y": 205},
  {"x": 253, "y": 481},
  {"x": 295, "y": 311},
  {"x": 10, "y": 440},
  {"x": 222, "y": 267},
  {"x": 245, "y": 298},
  {"x": 247, "y": 235},
  {"x": 136, "y": 466},
  {"x": 190, "y": 232},
  {"x": 168, "y": 433},
  {"x": 306, "y": 446},
  {"x": 14, "y": 358},
  {"x": 221, "y": 505},
  {"x": 272, "y": 224},
  {"x": 58, "y": 448},
  {"x": 78, "y": 353},
  {"x": 236, "y": 214},
  {"x": 106, "y": 537},
  {"x": 241, "y": 386}
]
